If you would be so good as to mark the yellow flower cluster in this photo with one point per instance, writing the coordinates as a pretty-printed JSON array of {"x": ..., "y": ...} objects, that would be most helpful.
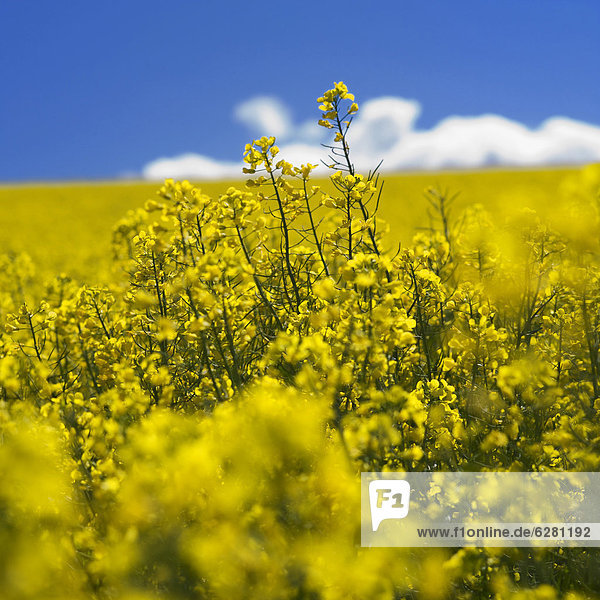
[
  {"x": 196, "y": 428},
  {"x": 331, "y": 105}
]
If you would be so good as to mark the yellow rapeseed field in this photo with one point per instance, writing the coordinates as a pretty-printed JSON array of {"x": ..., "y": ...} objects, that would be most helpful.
[
  {"x": 191, "y": 381},
  {"x": 68, "y": 227}
]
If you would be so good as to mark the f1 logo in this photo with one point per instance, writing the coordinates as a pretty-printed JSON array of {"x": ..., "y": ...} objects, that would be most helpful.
[{"x": 389, "y": 499}]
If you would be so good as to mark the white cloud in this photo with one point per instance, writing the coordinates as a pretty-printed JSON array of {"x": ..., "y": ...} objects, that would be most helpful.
[
  {"x": 191, "y": 166},
  {"x": 264, "y": 115},
  {"x": 385, "y": 128}
]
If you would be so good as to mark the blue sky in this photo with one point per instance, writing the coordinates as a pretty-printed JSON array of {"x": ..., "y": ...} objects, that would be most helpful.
[{"x": 99, "y": 89}]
